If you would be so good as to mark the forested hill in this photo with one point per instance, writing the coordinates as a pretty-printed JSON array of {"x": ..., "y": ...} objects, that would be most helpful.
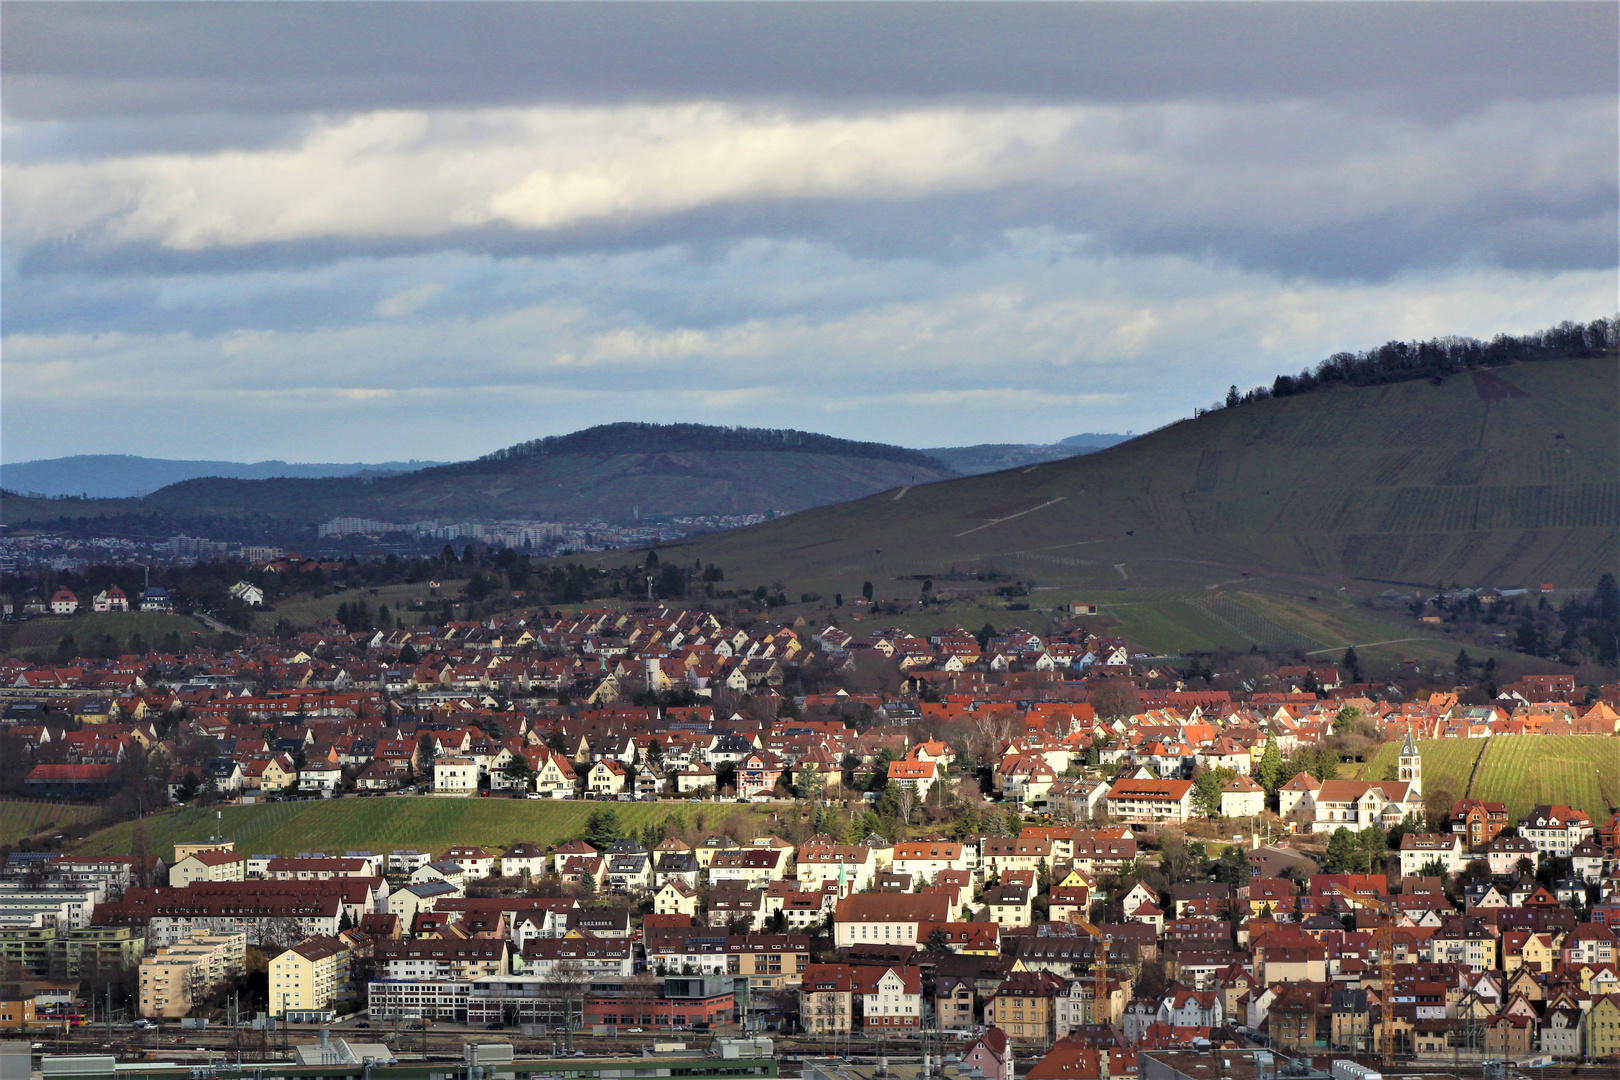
[
  {"x": 1404, "y": 361},
  {"x": 631, "y": 438},
  {"x": 615, "y": 472}
]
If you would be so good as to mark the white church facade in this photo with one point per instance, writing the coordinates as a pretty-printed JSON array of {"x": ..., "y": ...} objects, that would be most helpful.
[{"x": 1322, "y": 806}]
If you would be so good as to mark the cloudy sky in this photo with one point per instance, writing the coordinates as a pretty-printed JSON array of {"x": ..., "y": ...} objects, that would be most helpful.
[{"x": 368, "y": 231}]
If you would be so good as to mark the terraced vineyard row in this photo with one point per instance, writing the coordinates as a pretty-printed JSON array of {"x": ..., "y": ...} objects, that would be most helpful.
[
  {"x": 1524, "y": 770},
  {"x": 1251, "y": 626}
]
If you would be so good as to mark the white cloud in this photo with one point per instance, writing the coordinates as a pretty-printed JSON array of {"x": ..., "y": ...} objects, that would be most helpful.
[{"x": 1282, "y": 168}]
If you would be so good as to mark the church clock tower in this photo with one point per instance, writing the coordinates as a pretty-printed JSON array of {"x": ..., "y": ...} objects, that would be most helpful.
[{"x": 1411, "y": 768}]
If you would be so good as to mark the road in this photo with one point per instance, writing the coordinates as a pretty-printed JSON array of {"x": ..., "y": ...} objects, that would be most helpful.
[{"x": 213, "y": 623}]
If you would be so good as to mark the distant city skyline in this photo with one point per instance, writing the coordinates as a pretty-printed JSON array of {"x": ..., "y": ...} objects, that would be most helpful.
[{"x": 364, "y": 232}]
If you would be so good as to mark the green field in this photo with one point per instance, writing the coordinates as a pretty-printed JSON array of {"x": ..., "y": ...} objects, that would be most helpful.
[
  {"x": 40, "y": 637},
  {"x": 302, "y": 611},
  {"x": 1581, "y": 771},
  {"x": 383, "y": 824},
  {"x": 21, "y": 818}
]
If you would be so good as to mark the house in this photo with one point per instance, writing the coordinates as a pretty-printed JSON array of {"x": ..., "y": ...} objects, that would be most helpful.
[
  {"x": 112, "y": 598},
  {"x": 1603, "y": 1028},
  {"x": 1563, "y": 1033},
  {"x": 886, "y": 918},
  {"x": 1242, "y": 797},
  {"x": 63, "y": 602},
  {"x": 207, "y": 866},
  {"x": 1332, "y": 804},
  {"x": 1023, "y": 1006},
  {"x": 523, "y": 859},
  {"x": 890, "y": 997},
  {"x": 1556, "y": 830},
  {"x": 1503, "y": 853},
  {"x": 475, "y": 862},
  {"x": 925, "y": 859},
  {"x": 826, "y": 999},
  {"x": 247, "y": 593},
  {"x": 1478, "y": 822},
  {"x": 675, "y": 898},
  {"x": 321, "y": 778},
  {"x": 156, "y": 598},
  {"x": 757, "y": 773},
  {"x": 606, "y": 777},
  {"x": 919, "y": 776},
  {"x": 1418, "y": 850},
  {"x": 990, "y": 1054},
  {"x": 1150, "y": 801},
  {"x": 455, "y": 776}
]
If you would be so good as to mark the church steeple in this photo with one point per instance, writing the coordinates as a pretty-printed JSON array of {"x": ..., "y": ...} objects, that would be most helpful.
[{"x": 1411, "y": 767}]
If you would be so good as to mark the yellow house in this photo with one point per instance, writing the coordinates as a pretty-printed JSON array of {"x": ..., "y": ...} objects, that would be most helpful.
[
  {"x": 269, "y": 775},
  {"x": 675, "y": 899},
  {"x": 305, "y": 979},
  {"x": 1603, "y": 1027},
  {"x": 1539, "y": 953},
  {"x": 555, "y": 777}
]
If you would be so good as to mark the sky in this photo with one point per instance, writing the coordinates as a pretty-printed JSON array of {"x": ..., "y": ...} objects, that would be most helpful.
[{"x": 366, "y": 231}]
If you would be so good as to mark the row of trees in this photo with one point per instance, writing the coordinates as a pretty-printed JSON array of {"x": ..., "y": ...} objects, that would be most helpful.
[{"x": 1404, "y": 361}]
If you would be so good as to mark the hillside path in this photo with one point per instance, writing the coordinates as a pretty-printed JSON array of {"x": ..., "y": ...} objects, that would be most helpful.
[{"x": 1366, "y": 645}]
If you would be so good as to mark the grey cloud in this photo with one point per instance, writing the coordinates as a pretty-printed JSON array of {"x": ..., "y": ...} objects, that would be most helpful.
[{"x": 73, "y": 60}]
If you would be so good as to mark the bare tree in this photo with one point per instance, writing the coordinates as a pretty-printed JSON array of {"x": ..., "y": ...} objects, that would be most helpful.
[{"x": 905, "y": 801}]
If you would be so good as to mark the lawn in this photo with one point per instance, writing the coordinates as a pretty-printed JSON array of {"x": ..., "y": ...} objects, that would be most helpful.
[
  {"x": 384, "y": 824},
  {"x": 1581, "y": 771},
  {"x": 20, "y": 818}
]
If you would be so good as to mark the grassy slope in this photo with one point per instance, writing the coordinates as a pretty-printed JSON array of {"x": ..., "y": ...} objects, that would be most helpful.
[
  {"x": 383, "y": 824},
  {"x": 1519, "y": 770},
  {"x": 25, "y": 817},
  {"x": 1410, "y": 482},
  {"x": 39, "y": 637},
  {"x": 301, "y": 611}
]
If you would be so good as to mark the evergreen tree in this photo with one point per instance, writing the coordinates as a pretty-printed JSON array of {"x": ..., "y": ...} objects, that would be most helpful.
[
  {"x": 602, "y": 827},
  {"x": 1343, "y": 853},
  {"x": 1233, "y": 867},
  {"x": 1206, "y": 798},
  {"x": 1270, "y": 773}
]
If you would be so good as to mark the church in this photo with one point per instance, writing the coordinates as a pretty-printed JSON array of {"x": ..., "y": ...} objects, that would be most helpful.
[{"x": 1322, "y": 806}]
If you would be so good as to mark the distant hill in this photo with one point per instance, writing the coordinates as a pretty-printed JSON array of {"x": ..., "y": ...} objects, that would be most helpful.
[
  {"x": 615, "y": 472},
  {"x": 1503, "y": 476},
  {"x": 993, "y": 457},
  {"x": 121, "y": 476},
  {"x": 1094, "y": 440}
]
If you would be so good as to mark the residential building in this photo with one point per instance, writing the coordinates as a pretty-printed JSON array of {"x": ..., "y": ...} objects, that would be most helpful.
[
  {"x": 305, "y": 980},
  {"x": 176, "y": 978}
]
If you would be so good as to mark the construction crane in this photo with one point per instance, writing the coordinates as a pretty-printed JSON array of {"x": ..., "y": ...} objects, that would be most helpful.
[{"x": 1386, "y": 969}]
